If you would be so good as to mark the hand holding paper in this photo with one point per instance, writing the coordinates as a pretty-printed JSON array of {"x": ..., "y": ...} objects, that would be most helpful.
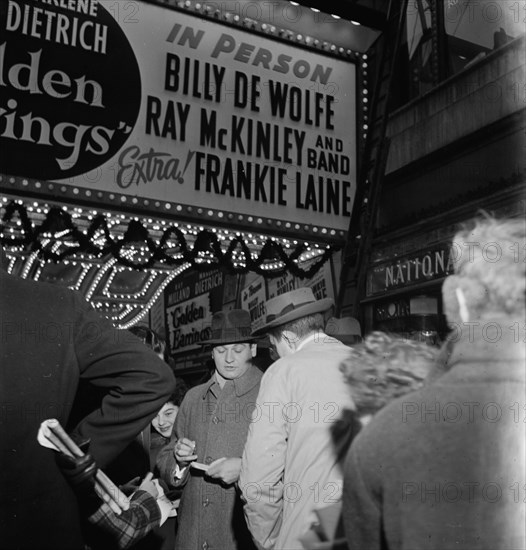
[
  {"x": 184, "y": 452},
  {"x": 149, "y": 484},
  {"x": 225, "y": 469}
]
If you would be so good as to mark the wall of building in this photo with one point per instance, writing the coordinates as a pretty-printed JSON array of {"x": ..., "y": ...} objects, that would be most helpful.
[
  {"x": 489, "y": 91},
  {"x": 454, "y": 151}
]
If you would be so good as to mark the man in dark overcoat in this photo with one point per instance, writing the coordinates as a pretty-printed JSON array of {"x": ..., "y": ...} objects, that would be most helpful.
[
  {"x": 443, "y": 468},
  {"x": 211, "y": 430},
  {"x": 50, "y": 339}
]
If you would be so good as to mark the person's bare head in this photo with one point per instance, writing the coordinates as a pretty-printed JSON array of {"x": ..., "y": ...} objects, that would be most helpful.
[{"x": 489, "y": 279}]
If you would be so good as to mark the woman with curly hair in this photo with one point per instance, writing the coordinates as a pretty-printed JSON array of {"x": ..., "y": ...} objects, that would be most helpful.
[
  {"x": 385, "y": 367},
  {"x": 378, "y": 370}
]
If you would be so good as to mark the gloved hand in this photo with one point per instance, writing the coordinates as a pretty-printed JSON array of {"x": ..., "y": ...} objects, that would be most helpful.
[{"x": 80, "y": 472}]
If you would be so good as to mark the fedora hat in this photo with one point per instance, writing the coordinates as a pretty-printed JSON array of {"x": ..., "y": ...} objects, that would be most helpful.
[
  {"x": 290, "y": 306},
  {"x": 230, "y": 327},
  {"x": 347, "y": 330}
]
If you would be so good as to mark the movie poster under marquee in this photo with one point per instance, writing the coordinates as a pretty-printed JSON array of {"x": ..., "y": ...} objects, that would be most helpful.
[
  {"x": 253, "y": 298},
  {"x": 254, "y": 295},
  {"x": 171, "y": 112},
  {"x": 321, "y": 283},
  {"x": 190, "y": 301}
]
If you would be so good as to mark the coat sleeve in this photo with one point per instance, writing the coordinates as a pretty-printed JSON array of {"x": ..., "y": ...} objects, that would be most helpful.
[
  {"x": 263, "y": 462},
  {"x": 131, "y": 525},
  {"x": 134, "y": 382},
  {"x": 361, "y": 508}
]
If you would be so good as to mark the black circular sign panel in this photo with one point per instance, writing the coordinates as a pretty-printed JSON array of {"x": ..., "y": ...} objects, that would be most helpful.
[{"x": 70, "y": 88}]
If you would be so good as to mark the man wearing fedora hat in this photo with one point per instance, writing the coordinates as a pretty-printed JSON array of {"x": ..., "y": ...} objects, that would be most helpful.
[
  {"x": 346, "y": 329},
  {"x": 211, "y": 430},
  {"x": 290, "y": 465}
]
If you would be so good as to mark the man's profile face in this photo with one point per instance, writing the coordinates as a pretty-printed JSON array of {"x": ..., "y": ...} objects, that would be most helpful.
[{"x": 233, "y": 360}]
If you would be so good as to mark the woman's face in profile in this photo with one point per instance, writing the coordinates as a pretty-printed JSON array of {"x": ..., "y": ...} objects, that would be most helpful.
[{"x": 164, "y": 421}]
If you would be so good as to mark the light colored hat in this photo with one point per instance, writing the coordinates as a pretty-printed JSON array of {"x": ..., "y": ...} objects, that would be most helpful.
[
  {"x": 290, "y": 306},
  {"x": 230, "y": 327},
  {"x": 347, "y": 330}
]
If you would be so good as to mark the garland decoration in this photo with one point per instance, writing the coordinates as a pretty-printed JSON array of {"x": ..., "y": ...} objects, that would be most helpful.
[{"x": 172, "y": 249}]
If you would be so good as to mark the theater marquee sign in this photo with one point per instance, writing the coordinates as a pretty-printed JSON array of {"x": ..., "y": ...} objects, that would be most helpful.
[{"x": 158, "y": 109}]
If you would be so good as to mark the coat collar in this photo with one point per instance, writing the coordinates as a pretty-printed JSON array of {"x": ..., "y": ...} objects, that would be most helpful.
[
  {"x": 315, "y": 337},
  {"x": 242, "y": 385},
  {"x": 494, "y": 342}
]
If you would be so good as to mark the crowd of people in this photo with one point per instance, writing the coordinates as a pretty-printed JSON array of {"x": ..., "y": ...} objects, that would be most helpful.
[{"x": 346, "y": 441}]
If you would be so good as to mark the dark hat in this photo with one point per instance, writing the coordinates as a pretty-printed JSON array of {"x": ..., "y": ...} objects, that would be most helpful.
[
  {"x": 230, "y": 327},
  {"x": 347, "y": 330},
  {"x": 290, "y": 306}
]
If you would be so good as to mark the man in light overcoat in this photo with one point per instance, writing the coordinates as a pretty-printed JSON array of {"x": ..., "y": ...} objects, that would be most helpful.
[{"x": 291, "y": 465}]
